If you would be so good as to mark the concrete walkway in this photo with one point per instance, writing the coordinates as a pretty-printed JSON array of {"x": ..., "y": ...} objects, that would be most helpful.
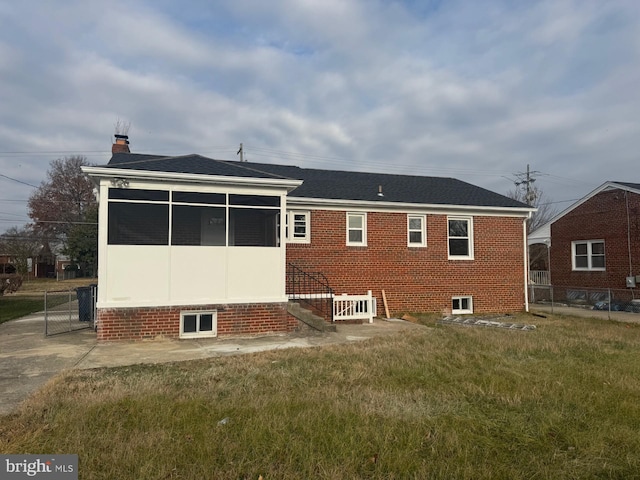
[{"x": 28, "y": 359}]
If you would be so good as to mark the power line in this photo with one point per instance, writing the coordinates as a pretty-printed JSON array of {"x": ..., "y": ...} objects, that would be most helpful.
[
  {"x": 527, "y": 178},
  {"x": 16, "y": 180}
]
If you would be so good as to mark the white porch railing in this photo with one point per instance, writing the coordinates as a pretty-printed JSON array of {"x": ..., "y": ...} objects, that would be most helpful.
[
  {"x": 539, "y": 277},
  {"x": 354, "y": 307}
]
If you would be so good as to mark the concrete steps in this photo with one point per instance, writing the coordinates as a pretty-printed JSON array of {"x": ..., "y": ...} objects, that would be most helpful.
[{"x": 309, "y": 318}]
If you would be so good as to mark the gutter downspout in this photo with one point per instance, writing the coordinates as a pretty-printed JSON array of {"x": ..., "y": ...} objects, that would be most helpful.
[{"x": 526, "y": 263}]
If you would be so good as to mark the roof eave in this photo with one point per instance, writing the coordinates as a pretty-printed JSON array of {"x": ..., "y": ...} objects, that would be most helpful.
[
  {"x": 105, "y": 172},
  {"x": 386, "y": 205}
]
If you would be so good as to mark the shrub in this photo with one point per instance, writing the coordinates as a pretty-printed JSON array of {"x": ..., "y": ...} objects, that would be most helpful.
[{"x": 10, "y": 283}]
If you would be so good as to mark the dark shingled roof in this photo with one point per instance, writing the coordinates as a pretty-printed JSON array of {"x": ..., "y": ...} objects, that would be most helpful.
[
  {"x": 635, "y": 186},
  {"x": 328, "y": 184}
]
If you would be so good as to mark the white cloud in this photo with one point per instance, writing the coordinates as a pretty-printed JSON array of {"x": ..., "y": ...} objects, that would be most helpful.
[{"x": 470, "y": 89}]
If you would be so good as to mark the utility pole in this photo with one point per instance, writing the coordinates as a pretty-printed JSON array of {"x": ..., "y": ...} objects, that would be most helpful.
[
  {"x": 241, "y": 153},
  {"x": 527, "y": 180}
]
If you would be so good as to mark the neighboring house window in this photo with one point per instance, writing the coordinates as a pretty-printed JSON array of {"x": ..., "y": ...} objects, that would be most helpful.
[
  {"x": 298, "y": 227},
  {"x": 460, "y": 235},
  {"x": 357, "y": 229},
  {"x": 416, "y": 225},
  {"x": 588, "y": 255},
  {"x": 198, "y": 324},
  {"x": 461, "y": 305}
]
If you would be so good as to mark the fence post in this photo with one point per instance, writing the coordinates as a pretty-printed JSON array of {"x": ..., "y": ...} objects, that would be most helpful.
[
  {"x": 69, "y": 310},
  {"x": 609, "y": 302},
  {"x": 551, "y": 290},
  {"x": 533, "y": 292},
  {"x": 45, "y": 314}
]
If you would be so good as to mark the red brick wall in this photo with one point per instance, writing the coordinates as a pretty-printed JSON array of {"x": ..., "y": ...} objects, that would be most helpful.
[
  {"x": 146, "y": 323},
  {"x": 418, "y": 279},
  {"x": 603, "y": 216}
]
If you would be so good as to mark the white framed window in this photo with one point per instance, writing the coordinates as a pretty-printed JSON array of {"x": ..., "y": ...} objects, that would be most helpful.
[
  {"x": 198, "y": 324},
  {"x": 298, "y": 227},
  {"x": 461, "y": 305},
  {"x": 416, "y": 230},
  {"x": 588, "y": 255},
  {"x": 357, "y": 229},
  {"x": 460, "y": 238}
]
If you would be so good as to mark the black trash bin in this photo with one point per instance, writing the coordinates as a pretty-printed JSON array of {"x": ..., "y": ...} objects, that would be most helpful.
[{"x": 85, "y": 303}]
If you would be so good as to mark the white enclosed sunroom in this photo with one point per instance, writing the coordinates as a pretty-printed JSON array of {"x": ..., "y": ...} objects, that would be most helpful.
[{"x": 190, "y": 255}]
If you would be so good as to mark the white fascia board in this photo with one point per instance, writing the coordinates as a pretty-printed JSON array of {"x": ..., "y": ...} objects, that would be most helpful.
[
  {"x": 396, "y": 207},
  {"x": 168, "y": 177}
]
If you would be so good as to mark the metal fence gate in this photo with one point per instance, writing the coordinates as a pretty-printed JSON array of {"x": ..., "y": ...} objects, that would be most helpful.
[{"x": 69, "y": 310}]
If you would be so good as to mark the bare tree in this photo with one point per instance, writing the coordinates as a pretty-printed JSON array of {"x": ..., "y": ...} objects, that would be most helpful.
[
  {"x": 21, "y": 244},
  {"x": 546, "y": 211},
  {"x": 121, "y": 127},
  {"x": 538, "y": 255},
  {"x": 63, "y": 199}
]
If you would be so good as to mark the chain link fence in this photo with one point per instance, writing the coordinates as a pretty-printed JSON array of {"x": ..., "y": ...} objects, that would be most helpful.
[
  {"x": 604, "y": 299},
  {"x": 69, "y": 310}
]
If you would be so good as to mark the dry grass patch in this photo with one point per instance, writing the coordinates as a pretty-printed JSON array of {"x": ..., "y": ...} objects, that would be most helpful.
[{"x": 444, "y": 402}]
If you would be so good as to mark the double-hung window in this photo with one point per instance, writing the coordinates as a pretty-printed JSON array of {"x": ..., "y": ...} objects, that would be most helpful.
[
  {"x": 416, "y": 231},
  {"x": 588, "y": 255},
  {"x": 357, "y": 229},
  {"x": 460, "y": 238},
  {"x": 298, "y": 229}
]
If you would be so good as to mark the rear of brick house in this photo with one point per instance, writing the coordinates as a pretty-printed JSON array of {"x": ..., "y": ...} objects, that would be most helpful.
[
  {"x": 213, "y": 239},
  {"x": 595, "y": 243}
]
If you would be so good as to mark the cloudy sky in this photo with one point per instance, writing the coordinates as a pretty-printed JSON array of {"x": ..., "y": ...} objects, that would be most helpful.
[{"x": 458, "y": 88}]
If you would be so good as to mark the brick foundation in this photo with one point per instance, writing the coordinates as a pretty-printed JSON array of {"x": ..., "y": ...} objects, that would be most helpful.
[{"x": 148, "y": 323}]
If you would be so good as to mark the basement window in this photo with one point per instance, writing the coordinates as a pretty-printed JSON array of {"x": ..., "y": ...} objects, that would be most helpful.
[
  {"x": 198, "y": 324},
  {"x": 461, "y": 305}
]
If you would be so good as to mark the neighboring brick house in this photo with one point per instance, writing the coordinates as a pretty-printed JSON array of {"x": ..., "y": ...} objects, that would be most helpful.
[
  {"x": 6, "y": 265},
  {"x": 191, "y": 246},
  {"x": 595, "y": 243}
]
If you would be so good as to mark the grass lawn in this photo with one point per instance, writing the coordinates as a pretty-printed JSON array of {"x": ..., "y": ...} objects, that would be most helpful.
[
  {"x": 30, "y": 297},
  {"x": 560, "y": 402}
]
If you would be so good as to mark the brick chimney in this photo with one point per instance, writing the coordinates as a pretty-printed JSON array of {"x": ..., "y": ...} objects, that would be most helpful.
[{"x": 121, "y": 144}]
